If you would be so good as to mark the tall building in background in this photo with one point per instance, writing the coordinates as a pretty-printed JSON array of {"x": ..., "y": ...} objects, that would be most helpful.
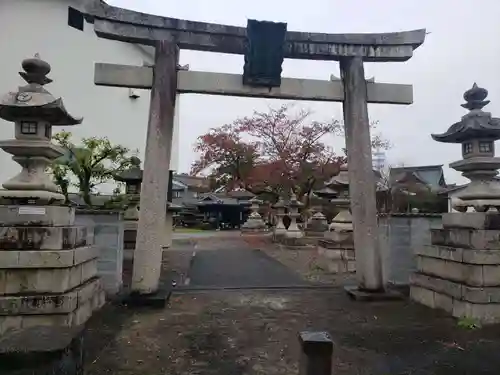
[{"x": 378, "y": 160}]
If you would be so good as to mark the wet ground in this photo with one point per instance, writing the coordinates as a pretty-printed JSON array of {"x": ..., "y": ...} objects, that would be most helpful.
[
  {"x": 250, "y": 331},
  {"x": 232, "y": 263}
]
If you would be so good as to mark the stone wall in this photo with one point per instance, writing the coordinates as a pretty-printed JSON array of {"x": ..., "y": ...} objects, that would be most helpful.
[
  {"x": 459, "y": 271},
  {"x": 400, "y": 235},
  {"x": 108, "y": 238}
]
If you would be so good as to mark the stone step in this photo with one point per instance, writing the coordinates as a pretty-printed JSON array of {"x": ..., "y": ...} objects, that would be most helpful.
[
  {"x": 47, "y": 258},
  {"x": 74, "y": 318},
  {"x": 50, "y": 303},
  {"x": 469, "y": 274},
  {"x": 485, "y": 313},
  {"x": 457, "y": 290},
  {"x": 468, "y": 256},
  {"x": 46, "y": 280},
  {"x": 479, "y": 239},
  {"x": 42, "y": 237}
]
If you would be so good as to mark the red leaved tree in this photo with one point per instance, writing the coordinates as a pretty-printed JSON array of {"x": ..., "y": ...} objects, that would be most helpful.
[
  {"x": 293, "y": 154},
  {"x": 277, "y": 151},
  {"x": 231, "y": 158}
]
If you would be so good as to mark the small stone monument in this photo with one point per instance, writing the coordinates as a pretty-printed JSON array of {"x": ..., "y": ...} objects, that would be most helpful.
[
  {"x": 172, "y": 212},
  {"x": 254, "y": 223},
  {"x": 460, "y": 271},
  {"x": 132, "y": 178},
  {"x": 317, "y": 225},
  {"x": 49, "y": 285},
  {"x": 279, "y": 229},
  {"x": 338, "y": 242},
  {"x": 293, "y": 212}
]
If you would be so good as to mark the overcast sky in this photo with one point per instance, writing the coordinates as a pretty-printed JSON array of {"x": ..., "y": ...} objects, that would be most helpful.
[{"x": 462, "y": 48}]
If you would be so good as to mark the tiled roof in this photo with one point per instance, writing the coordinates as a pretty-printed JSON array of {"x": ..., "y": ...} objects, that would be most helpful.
[{"x": 430, "y": 175}]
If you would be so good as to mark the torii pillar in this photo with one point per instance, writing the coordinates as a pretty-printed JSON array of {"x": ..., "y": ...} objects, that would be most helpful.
[
  {"x": 362, "y": 186},
  {"x": 350, "y": 49},
  {"x": 153, "y": 205}
]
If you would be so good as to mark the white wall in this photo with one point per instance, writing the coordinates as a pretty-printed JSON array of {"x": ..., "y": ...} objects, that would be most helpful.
[{"x": 40, "y": 26}]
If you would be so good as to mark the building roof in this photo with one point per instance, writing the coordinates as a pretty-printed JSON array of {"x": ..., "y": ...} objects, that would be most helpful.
[
  {"x": 193, "y": 182},
  {"x": 429, "y": 175},
  {"x": 240, "y": 194},
  {"x": 177, "y": 185}
]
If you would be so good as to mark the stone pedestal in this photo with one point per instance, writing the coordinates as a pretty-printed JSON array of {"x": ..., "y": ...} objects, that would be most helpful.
[
  {"x": 280, "y": 229},
  {"x": 169, "y": 227},
  {"x": 460, "y": 271},
  {"x": 48, "y": 273},
  {"x": 48, "y": 267},
  {"x": 293, "y": 231},
  {"x": 338, "y": 242},
  {"x": 316, "y": 226},
  {"x": 338, "y": 247}
]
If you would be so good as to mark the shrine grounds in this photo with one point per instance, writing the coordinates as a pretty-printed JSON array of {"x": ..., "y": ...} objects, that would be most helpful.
[{"x": 218, "y": 328}]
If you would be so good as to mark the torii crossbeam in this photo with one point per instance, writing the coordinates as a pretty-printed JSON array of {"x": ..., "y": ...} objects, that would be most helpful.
[{"x": 168, "y": 35}]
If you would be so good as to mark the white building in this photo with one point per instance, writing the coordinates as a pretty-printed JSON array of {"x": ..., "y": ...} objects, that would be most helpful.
[{"x": 41, "y": 26}]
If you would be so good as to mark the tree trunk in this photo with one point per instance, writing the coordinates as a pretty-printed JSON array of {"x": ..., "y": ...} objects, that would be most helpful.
[
  {"x": 85, "y": 191},
  {"x": 64, "y": 190}
]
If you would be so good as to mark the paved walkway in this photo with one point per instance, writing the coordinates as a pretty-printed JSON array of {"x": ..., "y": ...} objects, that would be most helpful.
[{"x": 237, "y": 267}]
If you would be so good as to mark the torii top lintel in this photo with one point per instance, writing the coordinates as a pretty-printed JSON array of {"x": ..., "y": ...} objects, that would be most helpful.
[{"x": 134, "y": 27}]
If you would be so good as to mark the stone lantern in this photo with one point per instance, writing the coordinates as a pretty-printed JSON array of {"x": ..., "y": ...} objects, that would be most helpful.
[
  {"x": 293, "y": 212},
  {"x": 317, "y": 225},
  {"x": 34, "y": 111},
  {"x": 477, "y": 132},
  {"x": 132, "y": 178},
  {"x": 340, "y": 183},
  {"x": 338, "y": 241},
  {"x": 48, "y": 265},
  {"x": 254, "y": 222},
  {"x": 280, "y": 228},
  {"x": 459, "y": 272}
]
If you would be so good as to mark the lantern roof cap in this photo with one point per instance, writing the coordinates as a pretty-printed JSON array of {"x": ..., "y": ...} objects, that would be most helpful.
[
  {"x": 33, "y": 101},
  {"x": 476, "y": 123}
]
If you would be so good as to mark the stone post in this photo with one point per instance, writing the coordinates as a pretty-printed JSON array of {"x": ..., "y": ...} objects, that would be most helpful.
[
  {"x": 460, "y": 271},
  {"x": 172, "y": 212},
  {"x": 293, "y": 206},
  {"x": 317, "y": 350},
  {"x": 48, "y": 270},
  {"x": 153, "y": 203},
  {"x": 361, "y": 177}
]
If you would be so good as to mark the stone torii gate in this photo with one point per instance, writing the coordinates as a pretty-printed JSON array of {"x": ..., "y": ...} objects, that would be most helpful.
[{"x": 165, "y": 80}]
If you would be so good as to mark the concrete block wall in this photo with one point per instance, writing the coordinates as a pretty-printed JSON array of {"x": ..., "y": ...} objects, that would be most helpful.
[
  {"x": 107, "y": 236},
  {"x": 400, "y": 236}
]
